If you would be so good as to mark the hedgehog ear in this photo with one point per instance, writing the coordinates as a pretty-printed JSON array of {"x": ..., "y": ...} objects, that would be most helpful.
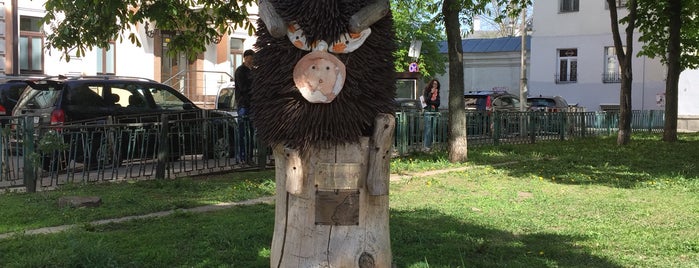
[
  {"x": 275, "y": 24},
  {"x": 368, "y": 15}
]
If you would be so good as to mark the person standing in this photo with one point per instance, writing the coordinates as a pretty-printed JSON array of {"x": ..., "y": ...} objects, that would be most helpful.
[
  {"x": 243, "y": 84},
  {"x": 431, "y": 99}
]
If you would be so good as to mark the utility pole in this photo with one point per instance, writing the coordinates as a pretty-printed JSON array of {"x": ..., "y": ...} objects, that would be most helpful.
[{"x": 523, "y": 67}]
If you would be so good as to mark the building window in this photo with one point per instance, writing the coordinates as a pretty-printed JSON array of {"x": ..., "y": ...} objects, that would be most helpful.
[
  {"x": 612, "y": 69},
  {"x": 106, "y": 63},
  {"x": 569, "y": 5},
  {"x": 236, "y": 53},
  {"x": 31, "y": 44},
  {"x": 567, "y": 66},
  {"x": 619, "y": 4}
]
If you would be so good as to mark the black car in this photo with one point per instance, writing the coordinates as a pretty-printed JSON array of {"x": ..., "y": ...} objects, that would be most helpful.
[
  {"x": 9, "y": 94},
  {"x": 550, "y": 116},
  {"x": 547, "y": 103},
  {"x": 59, "y": 102},
  {"x": 407, "y": 105},
  {"x": 482, "y": 104}
]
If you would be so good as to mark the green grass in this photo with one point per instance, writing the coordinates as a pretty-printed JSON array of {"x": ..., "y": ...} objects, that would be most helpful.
[
  {"x": 582, "y": 203},
  {"x": 21, "y": 211}
]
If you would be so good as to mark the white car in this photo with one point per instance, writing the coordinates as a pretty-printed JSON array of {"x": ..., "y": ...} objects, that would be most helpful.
[{"x": 225, "y": 99}]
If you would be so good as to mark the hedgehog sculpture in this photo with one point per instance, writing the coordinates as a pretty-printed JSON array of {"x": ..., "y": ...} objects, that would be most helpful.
[{"x": 324, "y": 70}]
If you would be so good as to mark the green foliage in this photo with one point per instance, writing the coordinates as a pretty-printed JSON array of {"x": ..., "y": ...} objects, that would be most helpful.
[
  {"x": 499, "y": 9},
  {"x": 52, "y": 141},
  {"x": 80, "y": 25},
  {"x": 412, "y": 21},
  {"x": 653, "y": 20}
]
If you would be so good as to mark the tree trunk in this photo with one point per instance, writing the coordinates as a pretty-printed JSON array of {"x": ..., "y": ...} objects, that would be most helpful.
[
  {"x": 624, "y": 58},
  {"x": 457, "y": 143},
  {"x": 331, "y": 205},
  {"x": 674, "y": 10}
]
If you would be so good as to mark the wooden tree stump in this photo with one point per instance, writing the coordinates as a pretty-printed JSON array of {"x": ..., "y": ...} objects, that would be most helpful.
[{"x": 332, "y": 203}]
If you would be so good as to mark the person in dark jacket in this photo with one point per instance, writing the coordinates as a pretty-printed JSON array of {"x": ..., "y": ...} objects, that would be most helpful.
[
  {"x": 430, "y": 96},
  {"x": 243, "y": 84}
]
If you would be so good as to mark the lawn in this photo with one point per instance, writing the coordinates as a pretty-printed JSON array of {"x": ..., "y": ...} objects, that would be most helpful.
[{"x": 580, "y": 203}]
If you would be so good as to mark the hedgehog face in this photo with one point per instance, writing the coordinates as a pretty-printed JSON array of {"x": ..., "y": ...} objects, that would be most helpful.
[
  {"x": 319, "y": 76},
  {"x": 323, "y": 70}
]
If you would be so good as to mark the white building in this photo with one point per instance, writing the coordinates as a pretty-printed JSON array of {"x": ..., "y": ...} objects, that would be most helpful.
[
  {"x": 198, "y": 80},
  {"x": 572, "y": 55},
  {"x": 489, "y": 64}
]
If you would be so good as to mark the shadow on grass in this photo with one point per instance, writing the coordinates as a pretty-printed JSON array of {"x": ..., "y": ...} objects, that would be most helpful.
[
  {"x": 242, "y": 236},
  {"x": 646, "y": 161},
  {"x": 427, "y": 238}
]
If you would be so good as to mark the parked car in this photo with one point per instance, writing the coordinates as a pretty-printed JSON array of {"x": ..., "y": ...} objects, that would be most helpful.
[
  {"x": 547, "y": 104},
  {"x": 408, "y": 105},
  {"x": 482, "y": 104},
  {"x": 9, "y": 94},
  {"x": 551, "y": 120},
  {"x": 225, "y": 99},
  {"x": 58, "y": 102},
  {"x": 491, "y": 100}
]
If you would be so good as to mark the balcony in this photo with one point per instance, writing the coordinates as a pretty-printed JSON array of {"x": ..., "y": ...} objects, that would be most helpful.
[{"x": 614, "y": 77}]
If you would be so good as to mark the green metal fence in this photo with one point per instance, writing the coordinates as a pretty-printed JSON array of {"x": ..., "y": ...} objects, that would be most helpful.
[
  {"x": 186, "y": 144},
  {"x": 123, "y": 148},
  {"x": 515, "y": 127}
]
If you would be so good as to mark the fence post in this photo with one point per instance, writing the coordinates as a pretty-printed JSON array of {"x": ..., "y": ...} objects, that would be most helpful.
[
  {"x": 532, "y": 126},
  {"x": 496, "y": 128},
  {"x": 163, "y": 149},
  {"x": 583, "y": 124},
  {"x": 207, "y": 132},
  {"x": 562, "y": 126},
  {"x": 261, "y": 148},
  {"x": 399, "y": 131},
  {"x": 28, "y": 153}
]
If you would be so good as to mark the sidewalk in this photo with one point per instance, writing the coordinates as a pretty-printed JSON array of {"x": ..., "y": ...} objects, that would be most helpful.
[{"x": 208, "y": 208}]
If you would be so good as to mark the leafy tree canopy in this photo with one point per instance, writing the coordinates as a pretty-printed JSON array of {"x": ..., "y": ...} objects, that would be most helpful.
[
  {"x": 423, "y": 21},
  {"x": 652, "y": 22},
  {"x": 80, "y": 25},
  {"x": 413, "y": 21}
]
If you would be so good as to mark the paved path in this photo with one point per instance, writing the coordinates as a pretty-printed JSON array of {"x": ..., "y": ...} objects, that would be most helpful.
[{"x": 208, "y": 208}]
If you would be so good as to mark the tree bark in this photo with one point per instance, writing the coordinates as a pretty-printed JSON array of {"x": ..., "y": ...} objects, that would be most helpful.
[
  {"x": 624, "y": 58},
  {"x": 331, "y": 205},
  {"x": 457, "y": 144},
  {"x": 674, "y": 12}
]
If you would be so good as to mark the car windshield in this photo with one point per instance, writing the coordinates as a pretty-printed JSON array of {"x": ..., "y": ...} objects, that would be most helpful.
[
  {"x": 226, "y": 99},
  {"x": 472, "y": 103},
  {"x": 40, "y": 97},
  {"x": 541, "y": 102},
  {"x": 166, "y": 100}
]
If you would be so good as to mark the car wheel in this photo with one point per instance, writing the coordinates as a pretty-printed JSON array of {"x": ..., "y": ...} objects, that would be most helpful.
[{"x": 221, "y": 146}]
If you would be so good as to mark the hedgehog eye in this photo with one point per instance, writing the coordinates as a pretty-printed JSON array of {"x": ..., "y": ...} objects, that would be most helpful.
[
  {"x": 352, "y": 41},
  {"x": 297, "y": 37}
]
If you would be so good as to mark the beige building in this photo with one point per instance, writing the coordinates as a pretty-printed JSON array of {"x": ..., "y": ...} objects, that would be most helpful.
[{"x": 22, "y": 51}]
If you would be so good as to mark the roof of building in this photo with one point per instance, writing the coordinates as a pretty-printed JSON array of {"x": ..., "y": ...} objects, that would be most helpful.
[{"x": 488, "y": 45}]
